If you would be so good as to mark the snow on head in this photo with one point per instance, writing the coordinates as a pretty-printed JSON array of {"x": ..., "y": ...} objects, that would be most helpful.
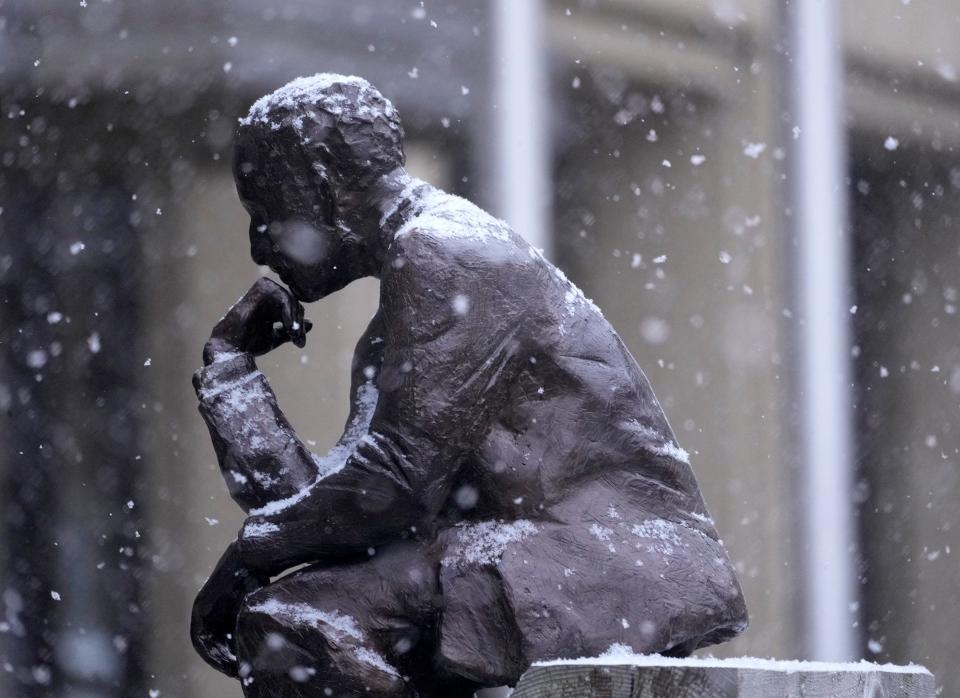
[
  {"x": 320, "y": 89},
  {"x": 351, "y": 134}
]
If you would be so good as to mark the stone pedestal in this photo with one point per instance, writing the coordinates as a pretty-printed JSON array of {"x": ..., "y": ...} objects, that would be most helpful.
[{"x": 637, "y": 676}]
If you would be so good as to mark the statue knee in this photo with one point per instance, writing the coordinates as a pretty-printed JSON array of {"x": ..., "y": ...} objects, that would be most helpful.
[
  {"x": 267, "y": 643},
  {"x": 292, "y": 648}
]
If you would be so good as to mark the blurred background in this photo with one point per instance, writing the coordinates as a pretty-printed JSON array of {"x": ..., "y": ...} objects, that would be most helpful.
[{"x": 761, "y": 196}]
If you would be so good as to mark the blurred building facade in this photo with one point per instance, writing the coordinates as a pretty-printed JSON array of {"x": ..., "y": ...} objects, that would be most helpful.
[{"x": 667, "y": 145}]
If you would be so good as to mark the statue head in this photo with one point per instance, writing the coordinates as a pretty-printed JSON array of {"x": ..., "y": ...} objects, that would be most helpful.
[{"x": 308, "y": 162}]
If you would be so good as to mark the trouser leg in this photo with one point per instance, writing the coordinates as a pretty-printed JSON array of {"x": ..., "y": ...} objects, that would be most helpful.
[
  {"x": 350, "y": 629},
  {"x": 283, "y": 657}
]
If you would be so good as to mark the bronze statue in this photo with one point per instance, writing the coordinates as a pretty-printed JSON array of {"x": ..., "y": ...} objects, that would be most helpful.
[{"x": 507, "y": 488}]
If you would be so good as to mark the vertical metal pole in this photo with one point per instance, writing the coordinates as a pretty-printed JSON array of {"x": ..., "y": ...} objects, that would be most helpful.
[
  {"x": 521, "y": 124},
  {"x": 822, "y": 270},
  {"x": 520, "y": 175}
]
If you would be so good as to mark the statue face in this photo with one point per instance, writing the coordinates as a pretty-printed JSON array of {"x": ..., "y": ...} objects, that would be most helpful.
[
  {"x": 293, "y": 229},
  {"x": 303, "y": 252}
]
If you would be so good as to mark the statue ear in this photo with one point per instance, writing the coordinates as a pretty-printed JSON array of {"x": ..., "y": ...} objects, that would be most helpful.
[{"x": 327, "y": 197}]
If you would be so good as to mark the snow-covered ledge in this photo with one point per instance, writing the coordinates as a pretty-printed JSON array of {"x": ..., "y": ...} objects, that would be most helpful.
[{"x": 636, "y": 676}]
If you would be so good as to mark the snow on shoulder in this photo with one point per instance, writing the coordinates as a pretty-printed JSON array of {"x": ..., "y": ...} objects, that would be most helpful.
[
  {"x": 622, "y": 655},
  {"x": 449, "y": 216}
]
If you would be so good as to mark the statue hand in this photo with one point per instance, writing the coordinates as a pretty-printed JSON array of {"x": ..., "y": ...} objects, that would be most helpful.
[
  {"x": 264, "y": 318},
  {"x": 214, "y": 618}
]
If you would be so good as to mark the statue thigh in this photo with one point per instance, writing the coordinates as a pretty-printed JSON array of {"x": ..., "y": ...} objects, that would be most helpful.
[{"x": 366, "y": 627}]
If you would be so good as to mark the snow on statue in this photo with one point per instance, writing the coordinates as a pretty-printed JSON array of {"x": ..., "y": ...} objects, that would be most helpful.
[{"x": 507, "y": 488}]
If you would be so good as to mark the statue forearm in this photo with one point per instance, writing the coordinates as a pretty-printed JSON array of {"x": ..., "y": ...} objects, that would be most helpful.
[
  {"x": 379, "y": 495},
  {"x": 261, "y": 457}
]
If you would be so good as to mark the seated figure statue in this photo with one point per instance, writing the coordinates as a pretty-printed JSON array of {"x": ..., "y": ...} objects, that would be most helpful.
[{"x": 507, "y": 488}]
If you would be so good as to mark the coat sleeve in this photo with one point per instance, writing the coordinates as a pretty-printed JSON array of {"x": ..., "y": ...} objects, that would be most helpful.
[
  {"x": 252, "y": 438},
  {"x": 261, "y": 457},
  {"x": 449, "y": 349}
]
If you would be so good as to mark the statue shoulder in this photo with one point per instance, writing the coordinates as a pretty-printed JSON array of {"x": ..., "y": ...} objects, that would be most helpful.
[
  {"x": 451, "y": 226},
  {"x": 453, "y": 257}
]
